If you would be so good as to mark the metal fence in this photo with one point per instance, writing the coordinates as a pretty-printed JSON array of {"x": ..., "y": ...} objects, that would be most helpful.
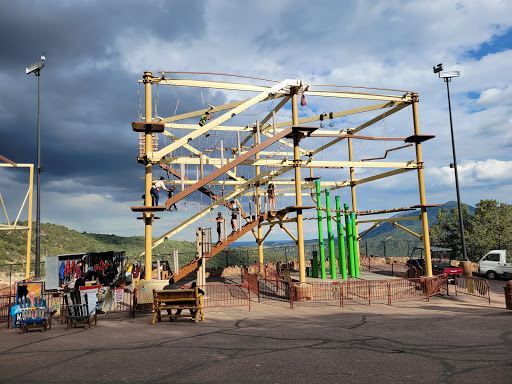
[
  {"x": 474, "y": 286},
  {"x": 226, "y": 295},
  {"x": 367, "y": 290}
]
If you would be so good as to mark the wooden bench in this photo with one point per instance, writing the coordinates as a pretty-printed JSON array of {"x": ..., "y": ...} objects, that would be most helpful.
[
  {"x": 183, "y": 299},
  {"x": 77, "y": 313}
]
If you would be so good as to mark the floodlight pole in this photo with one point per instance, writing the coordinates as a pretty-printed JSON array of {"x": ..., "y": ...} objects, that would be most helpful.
[
  {"x": 36, "y": 69},
  {"x": 38, "y": 177},
  {"x": 463, "y": 240}
]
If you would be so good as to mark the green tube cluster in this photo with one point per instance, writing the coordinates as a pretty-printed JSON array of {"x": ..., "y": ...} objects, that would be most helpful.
[
  {"x": 320, "y": 231},
  {"x": 341, "y": 240},
  {"x": 330, "y": 235}
]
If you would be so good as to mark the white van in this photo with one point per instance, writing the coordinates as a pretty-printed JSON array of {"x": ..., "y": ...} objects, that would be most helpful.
[{"x": 496, "y": 263}]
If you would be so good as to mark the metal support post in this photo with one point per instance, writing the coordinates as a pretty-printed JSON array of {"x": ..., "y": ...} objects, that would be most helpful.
[
  {"x": 298, "y": 190},
  {"x": 29, "y": 232},
  {"x": 421, "y": 184},
  {"x": 148, "y": 217},
  {"x": 257, "y": 202}
]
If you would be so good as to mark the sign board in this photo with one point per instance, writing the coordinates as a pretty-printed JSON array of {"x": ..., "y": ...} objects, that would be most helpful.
[
  {"x": 56, "y": 306},
  {"x": 287, "y": 277},
  {"x": 92, "y": 296},
  {"x": 145, "y": 289},
  {"x": 16, "y": 315},
  {"x": 119, "y": 295},
  {"x": 471, "y": 286}
]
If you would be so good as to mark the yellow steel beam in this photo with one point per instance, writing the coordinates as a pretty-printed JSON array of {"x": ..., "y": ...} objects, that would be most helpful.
[
  {"x": 397, "y": 107},
  {"x": 421, "y": 187},
  {"x": 199, "y": 112},
  {"x": 381, "y": 176},
  {"x": 375, "y": 225},
  {"x": 222, "y": 170},
  {"x": 344, "y": 113},
  {"x": 360, "y": 95},
  {"x": 407, "y": 230},
  {"x": 212, "y": 84},
  {"x": 267, "y": 118},
  {"x": 221, "y": 201},
  {"x": 288, "y": 232},
  {"x": 221, "y": 119},
  {"x": 390, "y": 220},
  {"x": 197, "y": 153}
]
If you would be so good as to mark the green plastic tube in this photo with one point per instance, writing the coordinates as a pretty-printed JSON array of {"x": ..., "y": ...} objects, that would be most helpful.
[
  {"x": 330, "y": 235},
  {"x": 320, "y": 231},
  {"x": 342, "y": 263}
]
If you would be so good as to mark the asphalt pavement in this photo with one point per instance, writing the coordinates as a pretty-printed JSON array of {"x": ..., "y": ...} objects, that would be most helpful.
[{"x": 447, "y": 340}]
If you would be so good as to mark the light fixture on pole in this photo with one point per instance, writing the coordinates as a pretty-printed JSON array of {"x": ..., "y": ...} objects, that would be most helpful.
[
  {"x": 447, "y": 76},
  {"x": 36, "y": 69}
]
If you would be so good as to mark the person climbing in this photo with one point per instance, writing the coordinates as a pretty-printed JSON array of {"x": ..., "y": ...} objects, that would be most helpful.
[
  {"x": 234, "y": 216},
  {"x": 271, "y": 191},
  {"x": 219, "y": 219},
  {"x": 169, "y": 195},
  {"x": 155, "y": 189},
  {"x": 204, "y": 119}
]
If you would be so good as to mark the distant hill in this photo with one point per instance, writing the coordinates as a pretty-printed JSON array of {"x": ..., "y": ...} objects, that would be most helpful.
[
  {"x": 388, "y": 231},
  {"x": 57, "y": 240},
  {"x": 398, "y": 243}
]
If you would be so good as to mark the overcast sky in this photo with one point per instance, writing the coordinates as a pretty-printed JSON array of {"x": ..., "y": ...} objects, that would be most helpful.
[{"x": 98, "y": 50}]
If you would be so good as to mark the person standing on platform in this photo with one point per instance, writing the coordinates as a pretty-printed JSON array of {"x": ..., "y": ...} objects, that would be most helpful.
[
  {"x": 234, "y": 216},
  {"x": 155, "y": 189},
  {"x": 271, "y": 192},
  {"x": 219, "y": 219},
  {"x": 169, "y": 195}
]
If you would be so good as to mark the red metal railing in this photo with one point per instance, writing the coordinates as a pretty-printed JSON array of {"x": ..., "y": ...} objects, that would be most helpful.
[
  {"x": 357, "y": 290},
  {"x": 474, "y": 286},
  {"x": 316, "y": 292},
  {"x": 226, "y": 295},
  {"x": 6, "y": 301},
  {"x": 252, "y": 282},
  {"x": 368, "y": 290},
  {"x": 269, "y": 273}
]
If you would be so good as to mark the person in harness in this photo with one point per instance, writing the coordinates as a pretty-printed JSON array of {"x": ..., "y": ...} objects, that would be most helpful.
[
  {"x": 204, "y": 119},
  {"x": 155, "y": 189}
]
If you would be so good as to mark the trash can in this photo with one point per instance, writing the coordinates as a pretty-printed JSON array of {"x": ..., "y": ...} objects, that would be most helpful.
[{"x": 508, "y": 294}]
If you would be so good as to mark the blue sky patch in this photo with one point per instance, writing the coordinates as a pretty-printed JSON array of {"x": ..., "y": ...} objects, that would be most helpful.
[{"x": 498, "y": 43}]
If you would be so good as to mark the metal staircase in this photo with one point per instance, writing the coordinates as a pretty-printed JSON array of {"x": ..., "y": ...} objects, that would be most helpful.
[{"x": 194, "y": 263}]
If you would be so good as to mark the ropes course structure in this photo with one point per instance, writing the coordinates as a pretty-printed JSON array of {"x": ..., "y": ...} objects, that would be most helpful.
[{"x": 221, "y": 160}]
